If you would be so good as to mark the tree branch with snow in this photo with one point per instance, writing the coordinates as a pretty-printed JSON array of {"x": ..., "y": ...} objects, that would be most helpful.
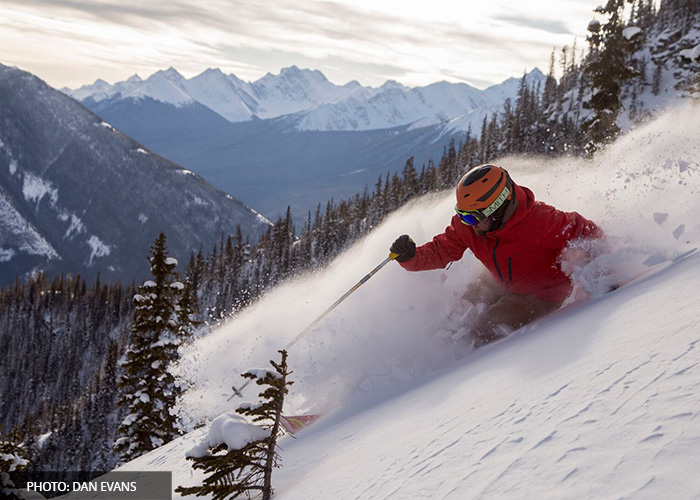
[{"x": 238, "y": 454}]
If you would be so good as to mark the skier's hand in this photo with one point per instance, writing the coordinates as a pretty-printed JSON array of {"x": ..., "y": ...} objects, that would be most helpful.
[
  {"x": 571, "y": 259},
  {"x": 404, "y": 247},
  {"x": 580, "y": 253}
]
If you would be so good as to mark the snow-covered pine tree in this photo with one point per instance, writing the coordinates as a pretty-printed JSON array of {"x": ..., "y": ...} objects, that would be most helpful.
[
  {"x": 12, "y": 461},
  {"x": 148, "y": 390},
  {"x": 185, "y": 310},
  {"x": 238, "y": 456},
  {"x": 608, "y": 68}
]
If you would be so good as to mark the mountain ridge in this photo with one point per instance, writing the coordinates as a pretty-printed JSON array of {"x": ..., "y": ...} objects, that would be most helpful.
[
  {"x": 76, "y": 194},
  {"x": 321, "y": 105}
]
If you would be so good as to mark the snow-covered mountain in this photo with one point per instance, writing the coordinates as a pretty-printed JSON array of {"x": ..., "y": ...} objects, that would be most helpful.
[
  {"x": 396, "y": 105},
  {"x": 101, "y": 90},
  {"x": 597, "y": 400},
  {"x": 293, "y": 139},
  {"x": 223, "y": 94},
  {"x": 320, "y": 104},
  {"x": 78, "y": 196}
]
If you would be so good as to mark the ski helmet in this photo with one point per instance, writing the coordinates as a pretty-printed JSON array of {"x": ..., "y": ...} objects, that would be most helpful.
[{"x": 481, "y": 192}]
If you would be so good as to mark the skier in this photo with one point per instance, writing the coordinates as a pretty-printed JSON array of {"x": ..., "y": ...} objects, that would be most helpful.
[{"x": 521, "y": 242}]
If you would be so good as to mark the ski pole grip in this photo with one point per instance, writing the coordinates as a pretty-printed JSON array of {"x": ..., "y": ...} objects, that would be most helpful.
[{"x": 392, "y": 256}]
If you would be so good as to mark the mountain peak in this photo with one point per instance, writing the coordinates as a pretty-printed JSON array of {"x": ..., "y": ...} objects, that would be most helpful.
[
  {"x": 295, "y": 72},
  {"x": 392, "y": 85},
  {"x": 291, "y": 70},
  {"x": 210, "y": 75},
  {"x": 170, "y": 73},
  {"x": 536, "y": 75},
  {"x": 165, "y": 86},
  {"x": 213, "y": 71}
]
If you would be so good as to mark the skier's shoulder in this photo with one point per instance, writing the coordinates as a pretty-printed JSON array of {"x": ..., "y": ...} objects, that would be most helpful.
[
  {"x": 536, "y": 217},
  {"x": 542, "y": 211},
  {"x": 528, "y": 209},
  {"x": 527, "y": 199},
  {"x": 559, "y": 223}
]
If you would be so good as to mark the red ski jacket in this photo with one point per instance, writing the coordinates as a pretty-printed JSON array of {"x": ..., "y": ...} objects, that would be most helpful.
[{"x": 522, "y": 255}]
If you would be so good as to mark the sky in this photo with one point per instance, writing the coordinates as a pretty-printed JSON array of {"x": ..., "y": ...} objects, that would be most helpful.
[{"x": 73, "y": 42}]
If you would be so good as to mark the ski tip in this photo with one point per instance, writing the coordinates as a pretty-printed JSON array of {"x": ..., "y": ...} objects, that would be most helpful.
[{"x": 295, "y": 423}]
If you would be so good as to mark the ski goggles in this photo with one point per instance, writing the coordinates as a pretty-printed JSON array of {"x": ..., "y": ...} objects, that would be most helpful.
[
  {"x": 474, "y": 217},
  {"x": 470, "y": 217}
]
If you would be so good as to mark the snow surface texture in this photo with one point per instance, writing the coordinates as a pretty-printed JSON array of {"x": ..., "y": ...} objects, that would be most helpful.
[{"x": 599, "y": 400}]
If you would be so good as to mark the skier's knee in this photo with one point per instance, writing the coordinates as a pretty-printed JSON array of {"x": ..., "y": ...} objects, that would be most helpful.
[{"x": 482, "y": 338}]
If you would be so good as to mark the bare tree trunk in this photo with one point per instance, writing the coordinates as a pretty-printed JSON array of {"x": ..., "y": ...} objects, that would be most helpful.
[{"x": 272, "y": 444}]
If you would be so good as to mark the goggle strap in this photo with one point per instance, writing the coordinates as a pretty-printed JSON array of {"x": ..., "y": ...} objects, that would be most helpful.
[
  {"x": 498, "y": 202},
  {"x": 486, "y": 212}
]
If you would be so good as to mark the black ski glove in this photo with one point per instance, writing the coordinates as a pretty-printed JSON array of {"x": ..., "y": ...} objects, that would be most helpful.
[{"x": 404, "y": 247}]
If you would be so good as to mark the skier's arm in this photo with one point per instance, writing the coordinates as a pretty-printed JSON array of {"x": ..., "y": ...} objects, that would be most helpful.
[
  {"x": 575, "y": 239},
  {"x": 578, "y": 228},
  {"x": 438, "y": 253}
]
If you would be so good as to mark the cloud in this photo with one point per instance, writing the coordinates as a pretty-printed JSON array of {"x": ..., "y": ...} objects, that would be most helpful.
[
  {"x": 548, "y": 25},
  {"x": 370, "y": 41},
  {"x": 126, "y": 11}
]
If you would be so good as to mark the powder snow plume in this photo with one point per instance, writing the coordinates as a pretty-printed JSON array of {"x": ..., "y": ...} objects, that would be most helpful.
[{"x": 644, "y": 191}]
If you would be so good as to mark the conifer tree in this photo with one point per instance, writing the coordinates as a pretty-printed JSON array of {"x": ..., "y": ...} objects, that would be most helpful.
[
  {"x": 185, "y": 311},
  {"x": 608, "y": 68},
  {"x": 550, "y": 87},
  {"x": 149, "y": 391},
  {"x": 12, "y": 461},
  {"x": 239, "y": 456}
]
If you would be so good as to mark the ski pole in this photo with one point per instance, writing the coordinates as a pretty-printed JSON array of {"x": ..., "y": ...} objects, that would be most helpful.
[{"x": 325, "y": 313}]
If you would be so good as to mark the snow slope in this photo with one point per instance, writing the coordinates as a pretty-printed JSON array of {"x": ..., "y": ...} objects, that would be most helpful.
[{"x": 598, "y": 400}]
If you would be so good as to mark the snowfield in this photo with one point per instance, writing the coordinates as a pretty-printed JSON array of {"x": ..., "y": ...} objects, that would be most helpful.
[{"x": 599, "y": 400}]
